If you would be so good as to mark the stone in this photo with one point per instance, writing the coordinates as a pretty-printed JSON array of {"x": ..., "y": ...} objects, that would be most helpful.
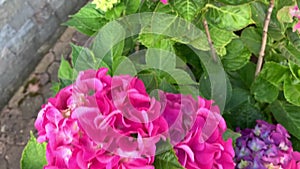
[
  {"x": 2, "y": 149},
  {"x": 67, "y": 35},
  {"x": 17, "y": 98},
  {"x": 53, "y": 70},
  {"x": 47, "y": 92},
  {"x": 14, "y": 154},
  {"x": 61, "y": 49},
  {"x": 43, "y": 78},
  {"x": 3, "y": 163},
  {"x": 31, "y": 106},
  {"x": 44, "y": 63}
]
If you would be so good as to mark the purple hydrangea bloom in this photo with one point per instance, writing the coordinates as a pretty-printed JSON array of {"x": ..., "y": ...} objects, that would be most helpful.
[{"x": 267, "y": 146}]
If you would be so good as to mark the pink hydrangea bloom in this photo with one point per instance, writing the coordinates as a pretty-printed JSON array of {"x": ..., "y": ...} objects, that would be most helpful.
[
  {"x": 164, "y": 1},
  {"x": 103, "y": 122},
  {"x": 295, "y": 12},
  {"x": 87, "y": 126},
  {"x": 196, "y": 130}
]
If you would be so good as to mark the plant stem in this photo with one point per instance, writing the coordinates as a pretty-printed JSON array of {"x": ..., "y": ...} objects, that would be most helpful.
[
  {"x": 213, "y": 52},
  {"x": 264, "y": 38}
]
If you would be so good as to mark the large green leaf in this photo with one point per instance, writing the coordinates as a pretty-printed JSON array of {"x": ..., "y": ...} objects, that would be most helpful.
[
  {"x": 237, "y": 56},
  {"x": 88, "y": 20},
  {"x": 206, "y": 90},
  {"x": 292, "y": 91},
  {"x": 244, "y": 116},
  {"x": 115, "y": 12},
  {"x": 294, "y": 38},
  {"x": 289, "y": 52},
  {"x": 288, "y": 115},
  {"x": 244, "y": 77},
  {"x": 109, "y": 43},
  {"x": 165, "y": 157},
  {"x": 221, "y": 41},
  {"x": 34, "y": 154},
  {"x": 295, "y": 143},
  {"x": 264, "y": 91},
  {"x": 65, "y": 70},
  {"x": 156, "y": 58},
  {"x": 252, "y": 39},
  {"x": 230, "y": 18},
  {"x": 283, "y": 3},
  {"x": 239, "y": 96},
  {"x": 188, "y": 8},
  {"x": 235, "y": 2},
  {"x": 274, "y": 73},
  {"x": 295, "y": 70},
  {"x": 132, "y": 6},
  {"x": 259, "y": 11},
  {"x": 284, "y": 16}
]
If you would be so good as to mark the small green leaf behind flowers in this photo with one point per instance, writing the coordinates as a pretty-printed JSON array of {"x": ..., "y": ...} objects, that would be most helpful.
[{"x": 34, "y": 154}]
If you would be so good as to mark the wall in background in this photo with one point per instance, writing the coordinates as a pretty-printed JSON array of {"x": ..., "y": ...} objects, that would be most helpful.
[{"x": 28, "y": 28}]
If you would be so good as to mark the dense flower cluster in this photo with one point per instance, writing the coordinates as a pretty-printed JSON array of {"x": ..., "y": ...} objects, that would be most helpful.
[
  {"x": 295, "y": 12},
  {"x": 111, "y": 122},
  {"x": 267, "y": 146},
  {"x": 196, "y": 130},
  {"x": 105, "y": 5}
]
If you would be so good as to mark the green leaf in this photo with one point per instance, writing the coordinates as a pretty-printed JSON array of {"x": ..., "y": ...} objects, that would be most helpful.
[
  {"x": 284, "y": 3},
  {"x": 264, "y": 91},
  {"x": 82, "y": 58},
  {"x": 88, "y": 20},
  {"x": 156, "y": 58},
  {"x": 150, "y": 80},
  {"x": 115, "y": 12},
  {"x": 188, "y": 8},
  {"x": 221, "y": 41},
  {"x": 284, "y": 16},
  {"x": 237, "y": 56},
  {"x": 34, "y": 154},
  {"x": 274, "y": 73},
  {"x": 65, "y": 70},
  {"x": 109, "y": 43},
  {"x": 231, "y": 134},
  {"x": 231, "y": 18},
  {"x": 132, "y": 6},
  {"x": 298, "y": 2},
  {"x": 244, "y": 77},
  {"x": 295, "y": 70},
  {"x": 295, "y": 143},
  {"x": 291, "y": 92},
  {"x": 244, "y": 116},
  {"x": 235, "y": 2},
  {"x": 123, "y": 66},
  {"x": 239, "y": 96},
  {"x": 252, "y": 39},
  {"x": 55, "y": 87},
  {"x": 167, "y": 87},
  {"x": 165, "y": 157},
  {"x": 289, "y": 52},
  {"x": 259, "y": 11},
  {"x": 206, "y": 91},
  {"x": 294, "y": 38},
  {"x": 288, "y": 115}
]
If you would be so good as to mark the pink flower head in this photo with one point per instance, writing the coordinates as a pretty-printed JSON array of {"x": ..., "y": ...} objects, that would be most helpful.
[
  {"x": 164, "y": 1},
  {"x": 196, "y": 129},
  {"x": 295, "y": 12}
]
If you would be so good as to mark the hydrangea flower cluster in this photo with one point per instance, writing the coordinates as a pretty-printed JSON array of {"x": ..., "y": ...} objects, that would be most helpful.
[
  {"x": 295, "y": 12},
  {"x": 103, "y": 122},
  {"x": 105, "y": 5},
  {"x": 267, "y": 146}
]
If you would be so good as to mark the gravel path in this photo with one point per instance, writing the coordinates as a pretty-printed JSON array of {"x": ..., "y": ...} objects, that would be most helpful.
[{"x": 17, "y": 118}]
